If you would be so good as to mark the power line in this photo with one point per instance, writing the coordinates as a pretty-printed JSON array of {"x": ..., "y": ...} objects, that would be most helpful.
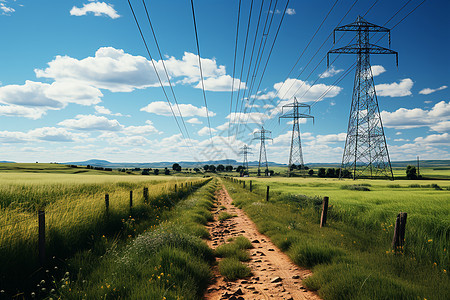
[
  {"x": 234, "y": 66},
  {"x": 270, "y": 52},
  {"x": 165, "y": 69},
  {"x": 243, "y": 56},
  {"x": 156, "y": 71},
  {"x": 201, "y": 71}
]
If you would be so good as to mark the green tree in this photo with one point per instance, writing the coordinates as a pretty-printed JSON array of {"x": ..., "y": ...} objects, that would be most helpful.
[
  {"x": 220, "y": 168},
  {"x": 176, "y": 167},
  {"x": 321, "y": 172},
  {"x": 411, "y": 172},
  {"x": 311, "y": 172},
  {"x": 155, "y": 171},
  {"x": 212, "y": 168},
  {"x": 239, "y": 169},
  {"x": 331, "y": 173},
  {"x": 229, "y": 168},
  {"x": 166, "y": 171},
  {"x": 206, "y": 168}
]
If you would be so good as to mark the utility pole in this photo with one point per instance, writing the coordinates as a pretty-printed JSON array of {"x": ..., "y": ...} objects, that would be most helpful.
[
  {"x": 245, "y": 151},
  {"x": 262, "y": 135},
  {"x": 366, "y": 153},
  {"x": 296, "y": 154}
]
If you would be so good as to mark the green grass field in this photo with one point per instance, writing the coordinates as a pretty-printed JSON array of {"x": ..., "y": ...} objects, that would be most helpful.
[
  {"x": 354, "y": 251},
  {"x": 76, "y": 217}
]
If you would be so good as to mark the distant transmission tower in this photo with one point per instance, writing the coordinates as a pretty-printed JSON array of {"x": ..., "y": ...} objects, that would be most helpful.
[
  {"x": 296, "y": 155},
  {"x": 263, "y": 135},
  {"x": 245, "y": 151},
  {"x": 366, "y": 153}
]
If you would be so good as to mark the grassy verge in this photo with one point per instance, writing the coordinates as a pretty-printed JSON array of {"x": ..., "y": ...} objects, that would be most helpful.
[
  {"x": 232, "y": 255},
  {"x": 350, "y": 259},
  {"x": 167, "y": 261},
  {"x": 77, "y": 222}
]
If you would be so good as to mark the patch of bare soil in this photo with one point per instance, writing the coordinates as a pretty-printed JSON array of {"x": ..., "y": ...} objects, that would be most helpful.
[{"x": 275, "y": 276}]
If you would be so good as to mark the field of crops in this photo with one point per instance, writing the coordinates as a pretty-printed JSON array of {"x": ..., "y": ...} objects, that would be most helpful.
[
  {"x": 76, "y": 217},
  {"x": 361, "y": 223}
]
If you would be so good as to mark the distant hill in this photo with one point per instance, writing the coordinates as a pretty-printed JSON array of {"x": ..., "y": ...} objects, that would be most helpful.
[{"x": 234, "y": 163}]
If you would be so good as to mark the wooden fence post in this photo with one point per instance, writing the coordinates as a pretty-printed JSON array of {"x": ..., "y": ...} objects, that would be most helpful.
[
  {"x": 145, "y": 195},
  {"x": 399, "y": 232},
  {"x": 175, "y": 188},
  {"x": 41, "y": 242},
  {"x": 251, "y": 187},
  {"x": 243, "y": 184},
  {"x": 107, "y": 202},
  {"x": 323, "y": 218},
  {"x": 267, "y": 194},
  {"x": 131, "y": 199}
]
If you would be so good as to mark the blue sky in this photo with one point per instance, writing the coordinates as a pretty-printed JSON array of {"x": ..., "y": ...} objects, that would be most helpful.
[{"x": 76, "y": 82}]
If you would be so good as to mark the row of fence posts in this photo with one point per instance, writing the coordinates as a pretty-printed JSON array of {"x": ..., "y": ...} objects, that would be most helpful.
[
  {"x": 398, "y": 240},
  {"x": 41, "y": 218}
]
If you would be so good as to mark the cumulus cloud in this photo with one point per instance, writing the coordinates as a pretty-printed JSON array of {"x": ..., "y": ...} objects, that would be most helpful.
[
  {"x": 205, "y": 131},
  {"x": 194, "y": 121},
  {"x": 187, "y": 110},
  {"x": 52, "y": 134},
  {"x": 105, "y": 111},
  {"x": 141, "y": 130},
  {"x": 110, "y": 69},
  {"x": 301, "y": 89},
  {"x": 401, "y": 89},
  {"x": 434, "y": 139},
  {"x": 330, "y": 72},
  {"x": 97, "y": 8},
  {"x": 253, "y": 117},
  {"x": 437, "y": 119},
  {"x": 428, "y": 91},
  {"x": 91, "y": 122},
  {"x": 221, "y": 84},
  {"x": 21, "y": 111},
  {"x": 377, "y": 70}
]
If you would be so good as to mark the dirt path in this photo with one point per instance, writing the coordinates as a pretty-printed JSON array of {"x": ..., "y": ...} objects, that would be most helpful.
[{"x": 274, "y": 275}]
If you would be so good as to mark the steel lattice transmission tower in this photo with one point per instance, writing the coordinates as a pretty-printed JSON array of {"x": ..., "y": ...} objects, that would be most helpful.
[
  {"x": 262, "y": 135},
  {"x": 296, "y": 154},
  {"x": 245, "y": 150},
  {"x": 366, "y": 153}
]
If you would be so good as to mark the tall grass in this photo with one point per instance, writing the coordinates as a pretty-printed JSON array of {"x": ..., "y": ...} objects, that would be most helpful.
[
  {"x": 351, "y": 257},
  {"x": 75, "y": 218},
  {"x": 169, "y": 261}
]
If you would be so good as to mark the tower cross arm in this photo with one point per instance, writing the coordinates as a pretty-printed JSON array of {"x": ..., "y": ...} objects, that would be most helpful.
[
  {"x": 362, "y": 25},
  {"x": 367, "y": 49}
]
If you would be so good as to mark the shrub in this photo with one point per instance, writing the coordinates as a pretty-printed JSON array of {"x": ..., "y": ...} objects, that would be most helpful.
[
  {"x": 309, "y": 254},
  {"x": 225, "y": 216}
]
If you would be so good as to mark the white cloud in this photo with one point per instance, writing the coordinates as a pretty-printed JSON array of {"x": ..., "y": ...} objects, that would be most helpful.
[
  {"x": 220, "y": 84},
  {"x": 428, "y": 91},
  {"x": 187, "y": 110},
  {"x": 290, "y": 11},
  {"x": 395, "y": 89},
  {"x": 97, "y": 8},
  {"x": 297, "y": 88},
  {"x": 223, "y": 127},
  {"x": 188, "y": 67},
  {"x": 401, "y": 140},
  {"x": 194, "y": 121},
  {"x": 436, "y": 119},
  {"x": 443, "y": 126},
  {"x": 8, "y": 137},
  {"x": 91, "y": 122},
  {"x": 105, "y": 111},
  {"x": 205, "y": 131},
  {"x": 52, "y": 134},
  {"x": 330, "y": 72},
  {"x": 21, "y": 111},
  {"x": 6, "y": 10},
  {"x": 110, "y": 69},
  {"x": 141, "y": 130},
  {"x": 434, "y": 139},
  {"x": 377, "y": 70},
  {"x": 253, "y": 117},
  {"x": 30, "y": 94}
]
